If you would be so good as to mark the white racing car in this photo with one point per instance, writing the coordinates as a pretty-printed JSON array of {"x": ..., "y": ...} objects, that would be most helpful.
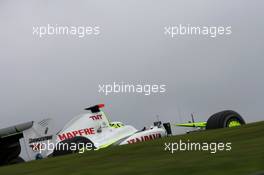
[{"x": 88, "y": 131}]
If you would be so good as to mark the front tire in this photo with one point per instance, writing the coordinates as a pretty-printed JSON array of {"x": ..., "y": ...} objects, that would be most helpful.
[{"x": 225, "y": 119}]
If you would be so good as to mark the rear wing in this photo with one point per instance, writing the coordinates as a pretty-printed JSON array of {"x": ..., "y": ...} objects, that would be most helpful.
[
  {"x": 9, "y": 142},
  {"x": 14, "y": 130}
]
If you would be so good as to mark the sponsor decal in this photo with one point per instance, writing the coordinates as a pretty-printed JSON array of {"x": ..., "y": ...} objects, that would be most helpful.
[
  {"x": 72, "y": 134},
  {"x": 96, "y": 117},
  {"x": 144, "y": 138},
  {"x": 40, "y": 139}
]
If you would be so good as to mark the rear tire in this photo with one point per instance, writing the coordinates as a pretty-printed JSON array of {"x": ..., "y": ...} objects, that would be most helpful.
[
  {"x": 78, "y": 140},
  {"x": 224, "y": 119}
]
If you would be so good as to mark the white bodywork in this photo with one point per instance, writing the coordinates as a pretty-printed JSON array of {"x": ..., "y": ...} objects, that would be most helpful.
[{"x": 93, "y": 126}]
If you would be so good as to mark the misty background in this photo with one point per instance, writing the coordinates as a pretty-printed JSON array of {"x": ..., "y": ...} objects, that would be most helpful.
[{"x": 58, "y": 76}]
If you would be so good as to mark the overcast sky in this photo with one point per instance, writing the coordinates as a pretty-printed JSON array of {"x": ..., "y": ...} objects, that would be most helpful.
[{"x": 58, "y": 76}]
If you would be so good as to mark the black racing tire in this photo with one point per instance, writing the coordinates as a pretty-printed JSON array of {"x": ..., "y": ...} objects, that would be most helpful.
[
  {"x": 224, "y": 119},
  {"x": 78, "y": 140}
]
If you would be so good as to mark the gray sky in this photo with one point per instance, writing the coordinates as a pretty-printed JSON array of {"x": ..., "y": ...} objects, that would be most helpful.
[{"x": 58, "y": 76}]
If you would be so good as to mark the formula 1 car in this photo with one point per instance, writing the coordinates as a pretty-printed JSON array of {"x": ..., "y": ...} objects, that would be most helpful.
[{"x": 89, "y": 131}]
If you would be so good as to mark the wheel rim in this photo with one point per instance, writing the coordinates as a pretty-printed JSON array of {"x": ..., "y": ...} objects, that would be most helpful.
[{"x": 233, "y": 123}]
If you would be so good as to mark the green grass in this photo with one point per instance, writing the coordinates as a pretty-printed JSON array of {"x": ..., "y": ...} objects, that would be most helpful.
[{"x": 246, "y": 157}]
